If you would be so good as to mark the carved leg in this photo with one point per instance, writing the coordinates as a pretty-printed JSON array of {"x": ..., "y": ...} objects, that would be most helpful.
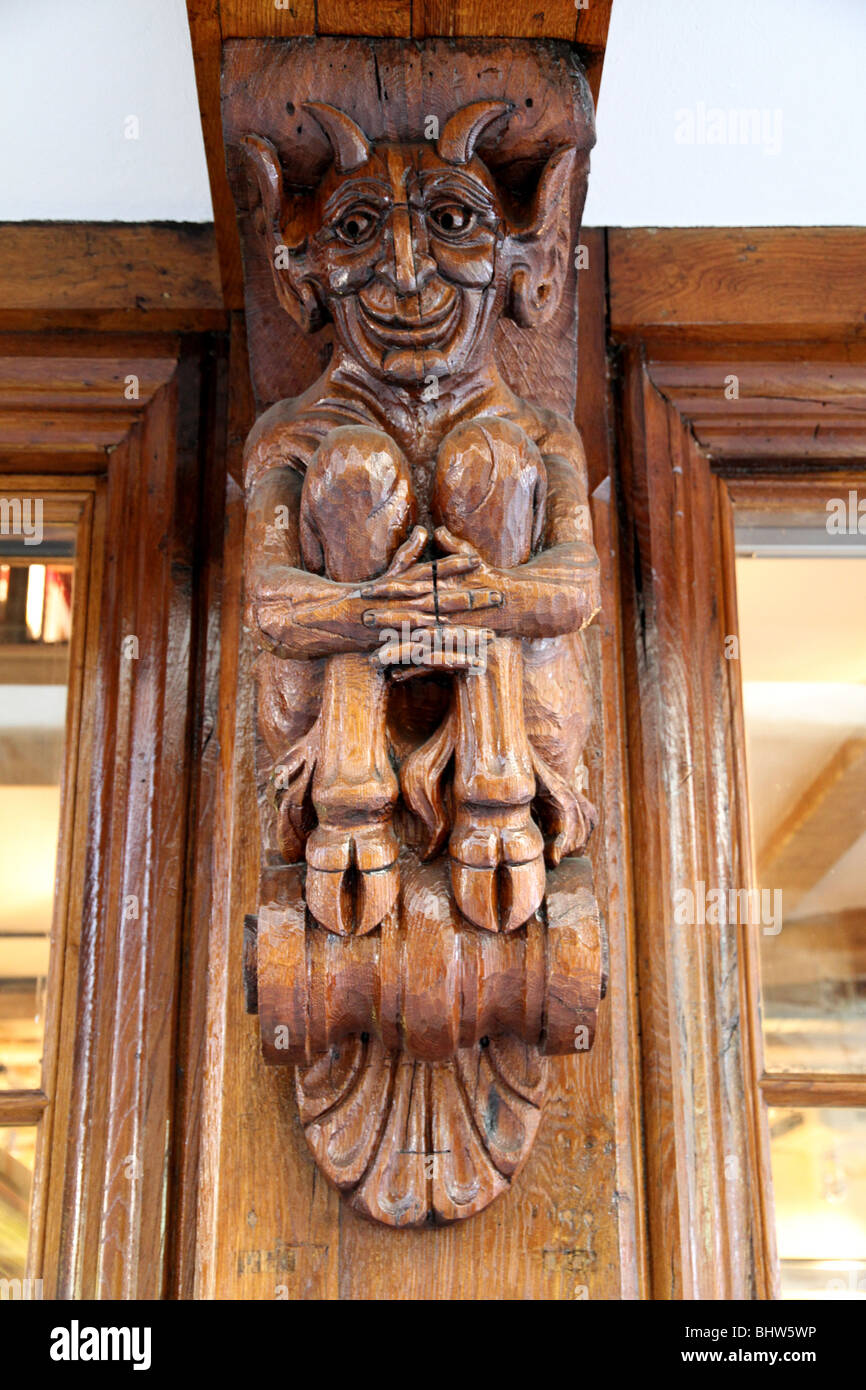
[
  {"x": 357, "y": 507},
  {"x": 489, "y": 490}
]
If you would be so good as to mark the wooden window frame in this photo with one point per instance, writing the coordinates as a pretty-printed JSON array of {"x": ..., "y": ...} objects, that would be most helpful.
[
  {"x": 771, "y": 494},
  {"x": 75, "y": 504},
  {"x": 687, "y": 308},
  {"x": 115, "y": 1154}
]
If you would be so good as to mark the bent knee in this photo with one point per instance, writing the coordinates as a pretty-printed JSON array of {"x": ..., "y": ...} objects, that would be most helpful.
[
  {"x": 357, "y": 504},
  {"x": 489, "y": 489}
]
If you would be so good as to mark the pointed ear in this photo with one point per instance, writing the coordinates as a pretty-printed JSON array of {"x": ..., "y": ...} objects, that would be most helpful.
[
  {"x": 283, "y": 228},
  {"x": 541, "y": 250}
]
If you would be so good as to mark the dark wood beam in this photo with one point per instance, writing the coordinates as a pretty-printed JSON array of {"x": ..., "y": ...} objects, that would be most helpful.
[
  {"x": 149, "y": 277},
  {"x": 716, "y": 283}
]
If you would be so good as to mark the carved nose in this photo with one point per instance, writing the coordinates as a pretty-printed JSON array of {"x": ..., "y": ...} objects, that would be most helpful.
[{"x": 409, "y": 267}]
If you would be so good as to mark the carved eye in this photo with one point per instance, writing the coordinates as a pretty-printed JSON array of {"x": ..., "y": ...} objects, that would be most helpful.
[
  {"x": 357, "y": 226},
  {"x": 452, "y": 219}
]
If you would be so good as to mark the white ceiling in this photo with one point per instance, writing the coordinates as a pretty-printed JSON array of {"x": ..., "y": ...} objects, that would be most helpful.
[{"x": 71, "y": 73}]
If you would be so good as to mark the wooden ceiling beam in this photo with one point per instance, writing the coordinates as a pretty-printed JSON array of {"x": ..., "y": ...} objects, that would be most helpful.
[
  {"x": 712, "y": 283},
  {"x": 147, "y": 277}
]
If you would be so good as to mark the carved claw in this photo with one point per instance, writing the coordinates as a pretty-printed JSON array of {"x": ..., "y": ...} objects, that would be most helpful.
[
  {"x": 497, "y": 866},
  {"x": 352, "y": 877},
  {"x": 568, "y": 816},
  {"x": 289, "y": 793}
]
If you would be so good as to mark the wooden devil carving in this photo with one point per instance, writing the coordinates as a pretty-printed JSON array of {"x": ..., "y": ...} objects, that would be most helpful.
[{"x": 419, "y": 566}]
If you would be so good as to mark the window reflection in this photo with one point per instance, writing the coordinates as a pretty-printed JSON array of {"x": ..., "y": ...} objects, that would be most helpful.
[
  {"x": 801, "y": 595},
  {"x": 35, "y": 626},
  {"x": 819, "y": 1189},
  {"x": 17, "y": 1145}
]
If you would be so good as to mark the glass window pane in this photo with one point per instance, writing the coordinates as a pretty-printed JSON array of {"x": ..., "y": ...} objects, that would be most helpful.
[
  {"x": 819, "y": 1190},
  {"x": 17, "y": 1149},
  {"x": 801, "y": 596},
  {"x": 35, "y": 627}
]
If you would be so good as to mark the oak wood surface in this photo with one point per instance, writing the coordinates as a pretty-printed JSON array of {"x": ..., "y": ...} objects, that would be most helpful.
[
  {"x": 256, "y": 1240},
  {"x": 113, "y": 277},
  {"x": 107, "y": 1132},
  {"x": 828, "y": 1089},
  {"x": 749, "y": 404},
  {"x": 371, "y": 946},
  {"x": 573, "y": 1250},
  {"x": 703, "y": 1223},
  {"x": 739, "y": 284},
  {"x": 212, "y": 22},
  {"x": 22, "y": 1107}
]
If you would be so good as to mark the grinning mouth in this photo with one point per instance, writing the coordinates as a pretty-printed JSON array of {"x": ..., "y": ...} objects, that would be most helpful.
[{"x": 396, "y": 330}]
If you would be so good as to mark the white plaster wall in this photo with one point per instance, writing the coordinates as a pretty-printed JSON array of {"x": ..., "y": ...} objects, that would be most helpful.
[{"x": 73, "y": 71}]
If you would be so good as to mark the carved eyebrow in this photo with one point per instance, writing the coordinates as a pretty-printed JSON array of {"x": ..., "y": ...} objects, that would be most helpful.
[
  {"x": 356, "y": 190},
  {"x": 455, "y": 185}
]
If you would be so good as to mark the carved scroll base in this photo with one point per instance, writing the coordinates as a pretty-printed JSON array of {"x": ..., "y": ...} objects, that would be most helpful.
[
  {"x": 421, "y": 1113},
  {"x": 408, "y": 1142}
]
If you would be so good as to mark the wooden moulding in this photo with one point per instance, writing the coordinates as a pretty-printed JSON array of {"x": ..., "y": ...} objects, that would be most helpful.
[
  {"x": 116, "y": 277},
  {"x": 108, "y": 1141},
  {"x": 731, "y": 286},
  {"x": 412, "y": 955},
  {"x": 706, "y": 1165}
]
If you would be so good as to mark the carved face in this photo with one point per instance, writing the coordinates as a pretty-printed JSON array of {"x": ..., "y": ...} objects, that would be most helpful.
[
  {"x": 408, "y": 248},
  {"x": 406, "y": 257}
]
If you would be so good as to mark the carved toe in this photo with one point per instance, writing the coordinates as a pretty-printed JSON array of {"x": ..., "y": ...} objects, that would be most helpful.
[
  {"x": 497, "y": 873},
  {"x": 352, "y": 877}
]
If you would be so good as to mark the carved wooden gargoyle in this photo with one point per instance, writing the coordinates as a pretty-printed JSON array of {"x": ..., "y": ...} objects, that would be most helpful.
[{"x": 419, "y": 562}]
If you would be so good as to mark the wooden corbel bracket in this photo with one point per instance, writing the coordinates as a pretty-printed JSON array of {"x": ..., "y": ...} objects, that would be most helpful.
[{"x": 419, "y": 568}]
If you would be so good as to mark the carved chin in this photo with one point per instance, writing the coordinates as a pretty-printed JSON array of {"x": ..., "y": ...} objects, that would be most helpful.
[{"x": 410, "y": 350}]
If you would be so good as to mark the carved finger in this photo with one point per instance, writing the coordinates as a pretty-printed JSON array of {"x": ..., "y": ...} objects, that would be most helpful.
[
  {"x": 408, "y": 552},
  {"x": 452, "y": 544},
  {"x": 399, "y": 588},
  {"x": 454, "y": 565},
  {"x": 416, "y": 582},
  {"x": 393, "y": 617},
  {"x": 410, "y": 658},
  {"x": 464, "y": 600}
]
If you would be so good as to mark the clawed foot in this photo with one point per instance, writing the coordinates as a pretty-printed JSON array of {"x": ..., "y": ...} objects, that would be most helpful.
[
  {"x": 353, "y": 879},
  {"x": 497, "y": 866}
]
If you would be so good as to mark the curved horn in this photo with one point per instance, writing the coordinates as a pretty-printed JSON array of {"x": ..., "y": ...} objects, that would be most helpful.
[
  {"x": 265, "y": 164},
  {"x": 348, "y": 141},
  {"x": 456, "y": 144}
]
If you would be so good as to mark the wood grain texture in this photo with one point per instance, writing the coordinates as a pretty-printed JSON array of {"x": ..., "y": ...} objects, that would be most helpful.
[
  {"x": 204, "y": 757},
  {"x": 558, "y": 19},
  {"x": 808, "y": 1089},
  {"x": 54, "y": 403},
  {"x": 22, "y": 1107},
  {"x": 279, "y": 1239},
  {"x": 125, "y": 277},
  {"x": 265, "y": 19},
  {"x": 756, "y": 1132},
  {"x": 700, "y": 1161},
  {"x": 212, "y": 22},
  {"x": 109, "y": 1161},
  {"x": 737, "y": 284},
  {"x": 750, "y": 404},
  {"x": 562, "y": 1236},
  {"x": 206, "y": 36},
  {"x": 615, "y": 1058},
  {"x": 366, "y": 943},
  {"x": 357, "y": 17}
]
